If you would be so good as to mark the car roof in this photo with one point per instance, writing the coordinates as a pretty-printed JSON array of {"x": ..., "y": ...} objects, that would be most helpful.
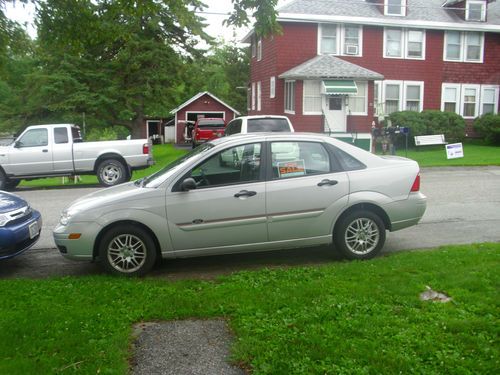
[{"x": 261, "y": 116}]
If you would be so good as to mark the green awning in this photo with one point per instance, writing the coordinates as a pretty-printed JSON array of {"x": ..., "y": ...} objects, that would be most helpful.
[{"x": 340, "y": 87}]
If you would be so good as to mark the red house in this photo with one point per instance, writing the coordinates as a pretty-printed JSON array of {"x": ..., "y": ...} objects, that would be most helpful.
[
  {"x": 340, "y": 65},
  {"x": 203, "y": 104}
]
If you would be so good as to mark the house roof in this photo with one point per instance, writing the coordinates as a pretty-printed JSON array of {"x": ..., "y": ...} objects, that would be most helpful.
[
  {"x": 199, "y": 95},
  {"x": 429, "y": 14},
  {"x": 328, "y": 66}
]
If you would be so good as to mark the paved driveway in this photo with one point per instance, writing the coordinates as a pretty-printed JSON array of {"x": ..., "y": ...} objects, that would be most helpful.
[{"x": 463, "y": 207}]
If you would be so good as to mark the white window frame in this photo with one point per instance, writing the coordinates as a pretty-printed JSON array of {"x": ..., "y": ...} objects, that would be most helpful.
[
  {"x": 420, "y": 84},
  {"x": 457, "y": 87},
  {"x": 304, "y": 96},
  {"x": 253, "y": 96},
  {"x": 259, "y": 96},
  {"x": 378, "y": 107},
  {"x": 404, "y": 40},
  {"x": 402, "y": 5},
  {"x": 495, "y": 98},
  {"x": 483, "y": 10},
  {"x": 272, "y": 87},
  {"x": 365, "y": 112},
  {"x": 463, "y": 48},
  {"x": 254, "y": 47},
  {"x": 289, "y": 97},
  {"x": 340, "y": 36},
  {"x": 259, "y": 49},
  {"x": 400, "y": 99},
  {"x": 465, "y": 87}
]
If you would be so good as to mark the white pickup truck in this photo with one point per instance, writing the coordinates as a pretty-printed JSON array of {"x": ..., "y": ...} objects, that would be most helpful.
[{"x": 58, "y": 150}]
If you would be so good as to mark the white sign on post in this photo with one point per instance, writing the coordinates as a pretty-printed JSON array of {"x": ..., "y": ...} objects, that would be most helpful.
[{"x": 454, "y": 150}]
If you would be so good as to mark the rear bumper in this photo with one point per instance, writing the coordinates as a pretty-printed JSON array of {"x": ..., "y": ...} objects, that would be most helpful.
[{"x": 408, "y": 212}]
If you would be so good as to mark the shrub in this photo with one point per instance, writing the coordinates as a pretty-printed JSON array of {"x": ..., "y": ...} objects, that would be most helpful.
[
  {"x": 488, "y": 126},
  {"x": 431, "y": 122},
  {"x": 98, "y": 133}
]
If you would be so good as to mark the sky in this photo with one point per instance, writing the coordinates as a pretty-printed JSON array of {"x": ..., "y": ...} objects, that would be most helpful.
[{"x": 24, "y": 14}]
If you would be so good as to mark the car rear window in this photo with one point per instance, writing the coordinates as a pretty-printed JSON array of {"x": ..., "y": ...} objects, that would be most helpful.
[
  {"x": 211, "y": 123},
  {"x": 267, "y": 125}
]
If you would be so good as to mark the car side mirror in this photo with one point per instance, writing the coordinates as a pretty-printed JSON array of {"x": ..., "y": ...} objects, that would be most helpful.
[
  {"x": 188, "y": 184},
  {"x": 17, "y": 144}
]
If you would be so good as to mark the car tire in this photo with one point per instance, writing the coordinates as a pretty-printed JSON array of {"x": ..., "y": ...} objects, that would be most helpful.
[
  {"x": 359, "y": 235},
  {"x": 3, "y": 180},
  {"x": 127, "y": 250},
  {"x": 11, "y": 184},
  {"x": 112, "y": 172},
  {"x": 193, "y": 145}
]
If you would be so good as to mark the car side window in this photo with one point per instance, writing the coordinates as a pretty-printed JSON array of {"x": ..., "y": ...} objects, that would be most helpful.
[
  {"x": 235, "y": 165},
  {"x": 234, "y": 127},
  {"x": 34, "y": 138},
  {"x": 61, "y": 135},
  {"x": 293, "y": 159},
  {"x": 347, "y": 162}
]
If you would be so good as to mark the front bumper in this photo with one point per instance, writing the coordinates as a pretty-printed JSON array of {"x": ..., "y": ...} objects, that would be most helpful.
[
  {"x": 16, "y": 239},
  {"x": 81, "y": 248}
]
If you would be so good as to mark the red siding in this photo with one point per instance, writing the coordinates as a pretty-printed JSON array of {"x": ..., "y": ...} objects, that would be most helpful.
[{"x": 298, "y": 43}]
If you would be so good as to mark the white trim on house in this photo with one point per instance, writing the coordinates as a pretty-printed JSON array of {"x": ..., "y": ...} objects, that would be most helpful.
[
  {"x": 404, "y": 41},
  {"x": 340, "y": 36},
  {"x": 460, "y": 97},
  {"x": 392, "y": 22},
  {"x": 463, "y": 48},
  {"x": 199, "y": 95}
]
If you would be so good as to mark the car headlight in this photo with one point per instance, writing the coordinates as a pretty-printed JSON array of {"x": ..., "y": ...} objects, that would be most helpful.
[
  {"x": 64, "y": 219},
  {"x": 3, "y": 220}
]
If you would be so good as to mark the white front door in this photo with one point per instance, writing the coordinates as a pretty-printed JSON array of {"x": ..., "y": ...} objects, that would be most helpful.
[{"x": 335, "y": 113}]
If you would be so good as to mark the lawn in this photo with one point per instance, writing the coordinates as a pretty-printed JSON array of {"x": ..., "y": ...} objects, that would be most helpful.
[
  {"x": 435, "y": 156},
  {"x": 339, "y": 318}
]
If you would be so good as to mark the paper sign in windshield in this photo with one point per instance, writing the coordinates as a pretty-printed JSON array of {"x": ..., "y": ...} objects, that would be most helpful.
[{"x": 291, "y": 168}]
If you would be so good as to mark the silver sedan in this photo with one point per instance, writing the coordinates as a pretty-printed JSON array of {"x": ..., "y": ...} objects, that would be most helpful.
[{"x": 247, "y": 193}]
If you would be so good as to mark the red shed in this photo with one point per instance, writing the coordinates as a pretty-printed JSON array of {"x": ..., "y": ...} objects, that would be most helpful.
[{"x": 203, "y": 104}]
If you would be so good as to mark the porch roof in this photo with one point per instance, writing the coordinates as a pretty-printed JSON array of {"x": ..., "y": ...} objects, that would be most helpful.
[{"x": 328, "y": 66}]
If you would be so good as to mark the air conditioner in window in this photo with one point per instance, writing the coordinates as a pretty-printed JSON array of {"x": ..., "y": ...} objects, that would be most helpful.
[{"x": 351, "y": 49}]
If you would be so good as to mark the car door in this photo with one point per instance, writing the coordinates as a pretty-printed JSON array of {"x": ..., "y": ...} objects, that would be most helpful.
[
  {"x": 30, "y": 155},
  {"x": 62, "y": 153},
  {"x": 226, "y": 211},
  {"x": 305, "y": 192}
]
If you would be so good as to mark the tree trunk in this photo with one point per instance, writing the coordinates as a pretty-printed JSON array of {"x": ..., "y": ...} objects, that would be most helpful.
[{"x": 138, "y": 130}]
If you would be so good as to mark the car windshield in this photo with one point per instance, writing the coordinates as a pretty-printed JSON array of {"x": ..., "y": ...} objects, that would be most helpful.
[
  {"x": 211, "y": 124},
  {"x": 157, "y": 178},
  {"x": 268, "y": 125}
]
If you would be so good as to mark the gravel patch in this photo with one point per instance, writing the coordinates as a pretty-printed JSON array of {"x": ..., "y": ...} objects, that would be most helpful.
[{"x": 183, "y": 347}]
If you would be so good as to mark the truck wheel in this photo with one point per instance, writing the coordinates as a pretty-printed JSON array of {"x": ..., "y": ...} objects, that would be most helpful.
[
  {"x": 127, "y": 250},
  {"x": 359, "y": 235},
  {"x": 112, "y": 172}
]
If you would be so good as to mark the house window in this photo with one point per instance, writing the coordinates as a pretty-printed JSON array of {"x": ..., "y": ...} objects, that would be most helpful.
[
  {"x": 249, "y": 98},
  {"x": 415, "y": 44},
  {"x": 394, "y": 7},
  {"x": 449, "y": 98},
  {"x": 464, "y": 46},
  {"x": 399, "y": 43},
  {"x": 358, "y": 102},
  {"x": 272, "y": 87},
  {"x": 253, "y": 96},
  {"x": 413, "y": 96},
  {"x": 392, "y": 97},
  {"x": 328, "y": 39},
  {"x": 259, "y": 50},
  {"x": 312, "y": 98},
  {"x": 259, "y": 96},
  {"x": 475, "y": 11},
  {"x": 352, "y": 40},
  {"x": 377, "y": 109},
  {"x": 489, "y": 99},
  {"x": 470, "y": 101},
  {"x": 393, "y": 43},
  {"x": 290, "y": 97},
  {"x": 254, "y": 48}
]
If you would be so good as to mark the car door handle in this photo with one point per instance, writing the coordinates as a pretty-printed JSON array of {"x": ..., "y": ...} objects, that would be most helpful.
[
  {"x": 328, "y": 182},
  {"x": 245, "y": 193},
  {"x": 45, "y": 150}
]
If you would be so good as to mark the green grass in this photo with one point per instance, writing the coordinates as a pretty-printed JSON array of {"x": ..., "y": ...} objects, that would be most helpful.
[
  {"x": 162, "y": 154},
  {"x": 435, "y": 156},
  {"x": 340, "y": 318}
]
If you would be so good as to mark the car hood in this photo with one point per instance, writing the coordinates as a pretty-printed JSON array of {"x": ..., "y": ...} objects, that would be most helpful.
[
  {"x": 10, "y": 202},
  {"x": 107, "y": 197}
]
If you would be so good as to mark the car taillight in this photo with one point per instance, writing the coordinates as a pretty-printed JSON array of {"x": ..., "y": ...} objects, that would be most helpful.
[
  {"x": 145, "y": 148},
  {"x": 416, "y": 184}
]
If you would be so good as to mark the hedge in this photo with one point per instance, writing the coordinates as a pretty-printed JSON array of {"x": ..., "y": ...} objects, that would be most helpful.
[{"x": 488, "y": 126}]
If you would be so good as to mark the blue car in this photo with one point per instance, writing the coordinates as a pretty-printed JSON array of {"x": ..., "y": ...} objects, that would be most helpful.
[{"x": 20, "y": 225}]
